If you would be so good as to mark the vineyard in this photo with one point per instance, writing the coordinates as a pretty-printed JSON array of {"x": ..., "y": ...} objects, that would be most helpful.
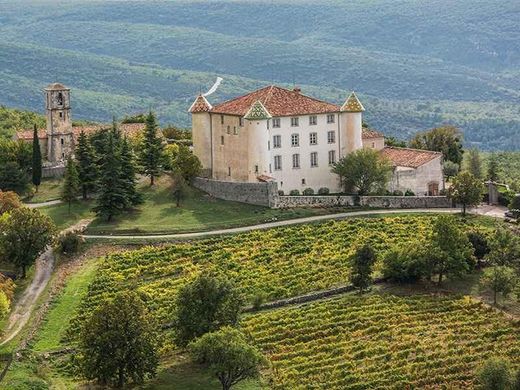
[
  {"x": 382, "y": 342},
  {"x": 275, "y": 263}
]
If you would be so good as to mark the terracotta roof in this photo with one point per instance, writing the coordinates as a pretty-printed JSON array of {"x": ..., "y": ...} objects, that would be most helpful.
[
  {"x": 369, "y": 133},
  {"x": 265, "y": 178},
  {"x": 352, "y": 104},
  {"x": 200, "y": 104},
  {"x": 406, "y": 157},
  {"x": 130, "y": 129},
  {"x": 277, "y": 101},
  {"x": 56, "y": 87}
]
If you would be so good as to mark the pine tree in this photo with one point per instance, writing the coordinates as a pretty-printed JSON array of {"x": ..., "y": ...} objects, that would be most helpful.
[
  {"x": 475, "y": 163},
  {"x": 36, "y": 160},
  {"x": 493, "y": 168},
  {"x": 128, "y": 174},
  {"x": 152, "y": 148},
  {"x": 112, "y": 198},
  {"x": 87, "y": 169},
  {"x": 71, "y": 184}
]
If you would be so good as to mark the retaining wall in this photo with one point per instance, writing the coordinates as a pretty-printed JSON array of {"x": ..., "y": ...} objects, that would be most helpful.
[
  {"x": 288, "y": 202},
  {"x": 405, "y": 202},
  {"x": 53, "y": 171},
  {"x": 261, "y": 194}
]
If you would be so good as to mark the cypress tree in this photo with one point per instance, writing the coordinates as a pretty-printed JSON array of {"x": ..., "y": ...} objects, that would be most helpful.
[
  {"x": 128, "y": 174},
  {"x": 36, "y": 160},
  {"x": 87, "y": 168},
  {"x": 112, "y": 198},
  {"x": 71, "y": 184},
  {"x": 152, "y": 148}
]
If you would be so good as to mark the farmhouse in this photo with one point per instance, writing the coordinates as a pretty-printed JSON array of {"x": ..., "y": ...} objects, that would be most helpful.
[
  {"x": 57, "y": 140},
  {"x": 281, "y": 135}
]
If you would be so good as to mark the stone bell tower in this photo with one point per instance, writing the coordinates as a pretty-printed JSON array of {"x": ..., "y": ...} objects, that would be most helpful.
[{"x": 60, "y": 142}]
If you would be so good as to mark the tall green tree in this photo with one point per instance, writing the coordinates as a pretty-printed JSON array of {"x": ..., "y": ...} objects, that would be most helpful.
[
  {"x": 118, "y": 342},
  {"x": 467, "y": 190},
  {"x": 499, "y": 279},
  {"x": 112, "y": 193},
  {"x": 179, "y": 188},
  {"x": 70, "y": 190},
  {"x": 15, "y": 165},
  {"x": 87, "y": 168},
  {"x": 186, "y": 163},
  {"x": 228, "y": 356},
  {"x": 363, "y": 170},
  {"x": 205, "y": 305},
  {"x": 495, "y": 374},
  {"x": 450, "y": 252},
  {"x": 493, "y": 168},
  {"x": 445, "y": 139},
  {"x": 36, "y": 160},
  {"x": 504, "y": 248},
  {"x": 151, "y": 149},
  {"x": 128, "y": 174},
  {"x": 361, "y": 264},
  {"x": 450, "y": 169},
  {"x": 475, "y": 163},
  {"x": 25, "y": 235}
]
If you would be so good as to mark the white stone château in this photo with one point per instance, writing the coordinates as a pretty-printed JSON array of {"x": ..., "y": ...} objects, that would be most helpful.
[{"x": 276, "y": 134}]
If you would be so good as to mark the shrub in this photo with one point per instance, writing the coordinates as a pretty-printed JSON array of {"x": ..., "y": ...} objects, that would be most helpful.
[
  {"x": 280, "y": 192},
  {"x": 294, "y": 193},
  {"x": 4, "y": 304},
  {"x": 308, "y": 191},
  {"x": 479, "y": 242},
  {"x": 505, "y": 198},
  {"x": 323, "y": 191},
  {"x": 405, "y": 264},
  {"x": 258, "y": 301},
  {"x": 514, "y": 206},
  {"x": 70, "y": 242},
  {"x": 409, "y": 193},
  {"x": 397, "y": 193},
  {"x": 495, "y": 374}
]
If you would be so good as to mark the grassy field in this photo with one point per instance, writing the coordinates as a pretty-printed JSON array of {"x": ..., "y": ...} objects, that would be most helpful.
[
  {"x": 49, "y": 189},
  {"x": 383, "y": 342},
  {"x": 61, "y": 216}
]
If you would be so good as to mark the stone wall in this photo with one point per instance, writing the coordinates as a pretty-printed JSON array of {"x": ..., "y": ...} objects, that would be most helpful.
[
  {"x": 48, "y": 172},
  {"x": 288, "y": 202},
  {"x": 405, "y": 202},
  {"x": 261, "y": 194}
]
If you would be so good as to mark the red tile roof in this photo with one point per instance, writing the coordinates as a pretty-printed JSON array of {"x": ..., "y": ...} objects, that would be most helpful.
[
  {"x": 368, "y": 134},
  {"x": 130, "y": 129},
  {"x": 200, "y": 105},
  {"x": 278, "y": 102},
  {"x": 411, "y": 158}
]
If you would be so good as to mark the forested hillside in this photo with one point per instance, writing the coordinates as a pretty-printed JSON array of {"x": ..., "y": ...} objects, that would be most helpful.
[{"x": 415, "y": 64}]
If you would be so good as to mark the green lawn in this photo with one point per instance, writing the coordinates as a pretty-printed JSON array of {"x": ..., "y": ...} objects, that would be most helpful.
[
  {"x": 50, "y": 189},
  {"x": 59, "y": 213},
  {"x": 198, "y": 212}
]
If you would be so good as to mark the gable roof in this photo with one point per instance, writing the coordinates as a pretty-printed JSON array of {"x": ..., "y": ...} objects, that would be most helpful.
[
  {"x": 369, "y": 133},
  {"x": 352, "y": 104},
  {"x": 129, "y": 129},
  {"x": 200, "y": 104},
  {"x": 277, "y": 101},
  {"x": 406, "y": 157},
  {"x": 257, "y": 111}
]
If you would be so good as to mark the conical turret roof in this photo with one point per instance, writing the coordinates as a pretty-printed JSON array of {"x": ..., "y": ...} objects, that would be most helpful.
[
  {"x": 200, "y": 104},
  {"x": 257, "y": 112},
  {"x": 352, "y": 104}
]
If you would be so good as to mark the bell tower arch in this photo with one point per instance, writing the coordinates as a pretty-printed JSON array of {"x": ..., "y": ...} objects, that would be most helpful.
[{"x": 60, "y": 142}]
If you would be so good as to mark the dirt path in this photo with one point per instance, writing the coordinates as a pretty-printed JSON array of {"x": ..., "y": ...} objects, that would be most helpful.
[{"x": 25, "y": 305}]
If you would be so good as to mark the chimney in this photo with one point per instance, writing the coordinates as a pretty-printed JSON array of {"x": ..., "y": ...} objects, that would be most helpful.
[{"x": 297, "y": 89}]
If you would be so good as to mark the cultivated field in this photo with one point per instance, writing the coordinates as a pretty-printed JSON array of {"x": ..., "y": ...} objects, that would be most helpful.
[{"x": 382, "y": 342}]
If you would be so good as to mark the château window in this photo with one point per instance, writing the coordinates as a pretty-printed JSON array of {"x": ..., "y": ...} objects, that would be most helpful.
[
  {"x": 61, "y": 114},
  {"x": 235, "y": 130},
  {"x": 62, "y": 141},
  {"x": 332, "y": 157},
  {"x": 331, "y": 137},
  {"x": 229, "y": 129},
  {"x": 303, "y": 182},
  {"x": 313, "y": 138},
  {"x": 277, "y": 141},
  {"x": 313, "y": 120},
  {"x": 222, "y": 119},
  {"x": 256, "y": 168},
  {"x": 229, "y": 171},
  {"x": 295, "y": 122},
  {"x": 277, "y": 163},
  {"x": 276, "y": 123},
  {"x": 222, "y": 140},
  {"x": 296, "y": 161},
  {"x": 331, "y": 118},
  {"x": 295, "y": 140},
  {"x": 268, "y": 124},
  {"x": 241, "y": 122},
  {"x": 314, "y": 159}
]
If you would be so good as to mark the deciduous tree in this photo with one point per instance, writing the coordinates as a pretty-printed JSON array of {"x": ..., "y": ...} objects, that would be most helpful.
[
  {"x": 500, "y": 279},
  {"x": 466, "y": 189},
  {"x": 25, "y": 235},
  {"x": 475, "y": 163},
  {"x": 118, "y": 342},
  {"x": 495, "y": 374},
  {"x": 445, "y": 139},
  {"x": 504, "y": 248},
  {"x": 450, "y": 169},
  {"x": 493, "y": 168},
  {"x": 205, "y": 305},
  {"x": 151, "y": 149},
  {"x": 179, "y": 188},
  {"x": 9, "y": 200},
  {"x": 36, "y": 160},
  {"x": 363, "y": 170},
  {"x": 227, "y": 354},
  {"x": 186, "y": 163}
]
